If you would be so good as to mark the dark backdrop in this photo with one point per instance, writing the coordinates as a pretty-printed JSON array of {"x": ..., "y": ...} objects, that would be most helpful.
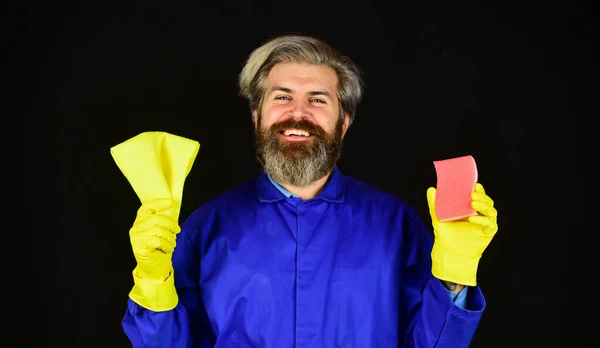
[{"x": 511, "y": 85}]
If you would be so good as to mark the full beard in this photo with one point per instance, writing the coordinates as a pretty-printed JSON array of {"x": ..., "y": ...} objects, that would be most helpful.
[{"x": 298, "y": 163}]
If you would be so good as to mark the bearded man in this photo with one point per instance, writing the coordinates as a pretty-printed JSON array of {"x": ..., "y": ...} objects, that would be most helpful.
[{"x": 305, "y": 256}]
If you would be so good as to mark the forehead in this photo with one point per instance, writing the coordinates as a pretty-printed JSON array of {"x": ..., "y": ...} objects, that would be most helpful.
[{"x": 303, "y": 77}]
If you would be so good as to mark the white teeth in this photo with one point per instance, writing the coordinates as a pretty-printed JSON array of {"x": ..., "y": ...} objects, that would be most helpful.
[{"x": 296, "y": 132}]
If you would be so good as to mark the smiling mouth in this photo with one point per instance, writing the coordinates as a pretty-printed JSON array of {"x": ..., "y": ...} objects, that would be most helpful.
[{"x": 295, "y": 133}]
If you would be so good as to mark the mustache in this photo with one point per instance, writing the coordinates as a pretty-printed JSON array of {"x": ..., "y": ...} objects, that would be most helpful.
[{"x": 302, "y": 124}]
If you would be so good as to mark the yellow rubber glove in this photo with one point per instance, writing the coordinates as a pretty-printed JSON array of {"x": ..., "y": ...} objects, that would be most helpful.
[
  {"x": 156, "y": 165},
  {"x": 458, "y": 245}
]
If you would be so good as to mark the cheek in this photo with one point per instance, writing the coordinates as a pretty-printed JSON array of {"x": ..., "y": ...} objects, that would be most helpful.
[
  {"x": 327, "y": 119},
  {"x": 275, "y": 111},
  {"x": 270, "y": 114}
]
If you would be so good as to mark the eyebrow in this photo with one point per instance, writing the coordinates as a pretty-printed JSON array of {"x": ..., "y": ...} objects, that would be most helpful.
[{"x": 312, "y": 93}]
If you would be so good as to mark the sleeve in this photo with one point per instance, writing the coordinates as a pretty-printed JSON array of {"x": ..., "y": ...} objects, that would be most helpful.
[
  {"x": 428, "y": 316},
  {"x": 186, "y": 325}
]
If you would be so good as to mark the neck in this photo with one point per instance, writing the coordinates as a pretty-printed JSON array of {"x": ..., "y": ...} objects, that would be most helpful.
[{"x": 310, "y": 191}]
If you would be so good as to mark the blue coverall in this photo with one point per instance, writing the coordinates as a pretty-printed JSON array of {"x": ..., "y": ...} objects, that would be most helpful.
[{"x": 349, "y": 268}]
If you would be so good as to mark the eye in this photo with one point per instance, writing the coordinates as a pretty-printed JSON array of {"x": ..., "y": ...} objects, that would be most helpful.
[
  {"x": 282, "y": 97},
  {"x": 318, "y": 100}
]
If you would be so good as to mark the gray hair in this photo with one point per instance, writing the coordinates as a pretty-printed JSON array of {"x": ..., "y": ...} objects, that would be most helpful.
[{"x": 253, "y": 79}]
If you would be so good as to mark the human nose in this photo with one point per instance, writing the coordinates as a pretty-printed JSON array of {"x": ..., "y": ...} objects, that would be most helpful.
[{"x": 299, "y": 109}]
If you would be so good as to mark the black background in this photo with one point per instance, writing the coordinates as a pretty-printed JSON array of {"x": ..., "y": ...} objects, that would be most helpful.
[{"x": 510, "y": 84}]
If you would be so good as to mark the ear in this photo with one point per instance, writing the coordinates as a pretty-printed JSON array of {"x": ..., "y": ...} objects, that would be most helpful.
[
  {"x": 255, "y": 117},
  {"x": 346, "y": 124}
]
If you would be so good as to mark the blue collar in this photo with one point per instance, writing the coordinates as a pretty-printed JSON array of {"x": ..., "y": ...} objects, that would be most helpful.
[
  {"x": 285, "y": 192},
  {"x": 270, "y": 191}
]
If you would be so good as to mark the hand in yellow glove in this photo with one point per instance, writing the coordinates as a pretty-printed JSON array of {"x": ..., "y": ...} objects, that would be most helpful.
[
  {"x": 458, "y": 245},
  {"x": 156, "y": 165},
  {"x": 153, "y": 240}
]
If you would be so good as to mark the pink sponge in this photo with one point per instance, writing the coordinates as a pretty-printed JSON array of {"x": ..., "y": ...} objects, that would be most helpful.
[{"x": 456, "y": 179}]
